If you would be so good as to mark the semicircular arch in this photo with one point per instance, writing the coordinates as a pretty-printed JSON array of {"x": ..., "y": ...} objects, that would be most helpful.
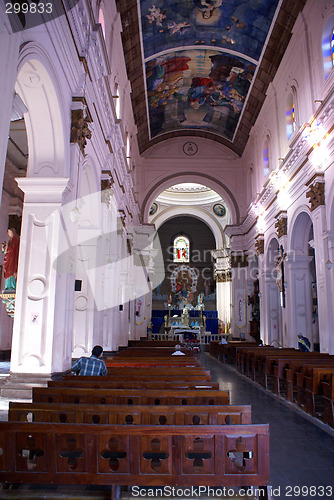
[
  {"x": 192, "y": 177},
  {"x": 299, "y": 233},
  {"x": 197, "y": 213},
  {"x": 45, "y": 120}
]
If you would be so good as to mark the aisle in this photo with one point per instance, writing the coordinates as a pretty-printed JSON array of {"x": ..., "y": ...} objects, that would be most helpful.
[{"x": 301, "y": 453}]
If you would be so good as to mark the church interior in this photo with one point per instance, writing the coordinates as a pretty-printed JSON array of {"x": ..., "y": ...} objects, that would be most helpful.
[{"x": 168, "y": 180}]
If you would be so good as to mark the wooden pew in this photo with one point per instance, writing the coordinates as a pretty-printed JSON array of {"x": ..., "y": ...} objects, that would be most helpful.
[
  {"x": 328, "y": 399},
  {"x": 170, "y": 373},
  {"x": 285, "y": 372},
  {"x": 266, "y": 364},
  {"x": 102, "y": 382},
  {"x": 130, "y": 396},
  {"x": 137, "y": 352},
  {"x": 145, "y": 362},
  {"x": 244, "y": 356},
  {"x": 133, "y": 414},
  {"x": 47, "y": 453},
  {"x": 312, "y": 381},
  {"x": 226, "y": 353}
]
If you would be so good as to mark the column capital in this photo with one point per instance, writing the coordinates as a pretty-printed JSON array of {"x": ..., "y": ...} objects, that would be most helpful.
[{"x": 43, "y": 189}]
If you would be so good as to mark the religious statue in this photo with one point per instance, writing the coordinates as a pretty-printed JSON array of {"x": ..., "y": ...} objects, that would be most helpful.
[
  {"x": 200, "y": 298},
  {"x": 11, "y": 251}
]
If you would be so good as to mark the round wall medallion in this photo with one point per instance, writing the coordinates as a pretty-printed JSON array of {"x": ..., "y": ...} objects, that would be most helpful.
[
  {"x": 153, "y": 208},
  {"x": 190, "y": 148},
  {"x": 219, "y": 210}
]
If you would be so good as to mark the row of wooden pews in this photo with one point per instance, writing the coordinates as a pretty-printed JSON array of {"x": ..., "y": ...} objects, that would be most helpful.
[
  {"x": 305, "y": 378},
  {"x": 149, "y": 432}
]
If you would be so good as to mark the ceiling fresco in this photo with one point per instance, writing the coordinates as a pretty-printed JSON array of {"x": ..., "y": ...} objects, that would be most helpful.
[
  {"x": 206, "y": 85},
  {"x": 202, "y": 67},
  {"x": 238, "y": 25}
]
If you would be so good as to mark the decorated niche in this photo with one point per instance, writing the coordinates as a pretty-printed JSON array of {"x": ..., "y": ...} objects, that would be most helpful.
[
  {"x": 184, "y": 294},
  {"x": 181, "y": 247}
]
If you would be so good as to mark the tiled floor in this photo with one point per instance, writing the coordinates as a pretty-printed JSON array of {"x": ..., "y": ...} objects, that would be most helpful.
[{"x": 301, "y": 449}]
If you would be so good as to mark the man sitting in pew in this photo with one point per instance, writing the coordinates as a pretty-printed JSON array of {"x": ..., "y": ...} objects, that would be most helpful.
[
  {"x": 91, "y": 366},
  {"x": 304, "y": 344},
  {"x": 178, "y": 351}
]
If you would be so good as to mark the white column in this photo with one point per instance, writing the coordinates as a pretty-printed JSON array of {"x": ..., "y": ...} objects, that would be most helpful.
[
  {"x": 222, "y": 270},
  {"x": 84, "y": 337},
  {"x": 272, "y": 316},
  {"x": 44, "y": 294}
]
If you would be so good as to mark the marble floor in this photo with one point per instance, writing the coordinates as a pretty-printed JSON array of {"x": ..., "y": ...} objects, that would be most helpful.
[{"x": 301, "y": 447}]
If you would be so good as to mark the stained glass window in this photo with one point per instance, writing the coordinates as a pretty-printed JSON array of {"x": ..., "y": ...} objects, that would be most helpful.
[
  {"x": 328, "y": 46},
  {"x": 290, "y": 114},
  {"x": 101, "y": 21},
  {"x": 265, "y": 157},
  {"x": 181, "y": 249}
]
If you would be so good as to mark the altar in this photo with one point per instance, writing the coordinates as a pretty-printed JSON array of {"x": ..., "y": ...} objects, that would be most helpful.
[{"x": 185, "y": 321}]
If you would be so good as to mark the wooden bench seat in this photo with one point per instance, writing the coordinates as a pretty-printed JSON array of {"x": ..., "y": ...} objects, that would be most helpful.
[
  {"x": 102, "y": 382},
  {"x": 226, "y": 353},
  {"x": 134, "y": 454},
  {"x": 152, "y": 374},
  {"x": 145, "y": 362},
  {"x": 132, "y": 414},
  {"x": 328, "y": 400},
  {"x": 137, "y": 352},
  {"x": 312, "y": 385},
  {"x": 271, "y": 366},
  {"x": 130, "y": 396}
]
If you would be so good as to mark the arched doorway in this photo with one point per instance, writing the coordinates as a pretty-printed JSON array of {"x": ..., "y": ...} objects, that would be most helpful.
[
  {"x": 273, "y": 295},
  {"x": 301, "y": 282}
]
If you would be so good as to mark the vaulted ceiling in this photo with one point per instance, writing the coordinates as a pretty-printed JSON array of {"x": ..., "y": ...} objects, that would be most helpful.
[{"x": 202, "y": 67}]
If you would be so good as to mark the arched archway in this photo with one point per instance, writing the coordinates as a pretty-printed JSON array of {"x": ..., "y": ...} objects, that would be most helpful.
[
  {"x": 273, "y": 297},
  {"x": 197, "y": 275},
  {"x": 302, "y": 281},
  {"x": 39, "y": 285},
  {"x": 45, "y": 124},
  {"x": 191, "y": 177},
  {"x": 195, "y": 212}
]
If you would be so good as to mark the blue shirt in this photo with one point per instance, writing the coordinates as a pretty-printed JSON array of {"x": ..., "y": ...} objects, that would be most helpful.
[{"x": 90, "y": 366}]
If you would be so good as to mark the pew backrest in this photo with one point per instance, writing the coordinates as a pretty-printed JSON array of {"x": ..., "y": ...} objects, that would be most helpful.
[
  {"x": 140, "y": 455},
  {"x": 128, "y": 415},
  {"x": 129, "y": 396}
]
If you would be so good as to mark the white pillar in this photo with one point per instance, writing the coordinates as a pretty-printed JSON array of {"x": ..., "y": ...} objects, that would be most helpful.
[
  {"x": 44, "y": 295},
  {"x": 272, "y": 317}
]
